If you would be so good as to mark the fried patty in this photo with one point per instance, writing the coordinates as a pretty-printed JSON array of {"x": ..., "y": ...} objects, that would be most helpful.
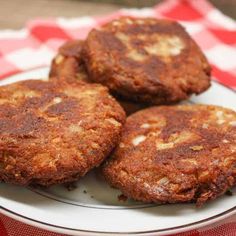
[
  {"x": 55, "y": 133},
  {"x": 68, "y": 65},
  {"x": 146, "y": 60},
  {"x": 175, "y": 154}
]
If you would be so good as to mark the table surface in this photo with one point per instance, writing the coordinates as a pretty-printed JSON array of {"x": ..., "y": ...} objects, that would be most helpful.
[{"x": 14, "y": 13}]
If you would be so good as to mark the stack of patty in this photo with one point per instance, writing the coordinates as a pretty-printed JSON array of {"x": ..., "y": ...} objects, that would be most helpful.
[
  {"x": 69, "y": 125},
  {"x": 69, "y": 66}
]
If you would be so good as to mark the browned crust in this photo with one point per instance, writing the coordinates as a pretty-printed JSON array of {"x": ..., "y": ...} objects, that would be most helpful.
[
  {"x": 154, "y": 79},
  {"x": 188, "y": 154},
  {"x": 55, "y": 133},
  {"x": 68, "y": 66}
]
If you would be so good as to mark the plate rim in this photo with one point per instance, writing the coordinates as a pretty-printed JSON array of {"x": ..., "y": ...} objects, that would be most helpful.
[
  {"x": 62, "y": 229},
  {"x": 182, "y": 228}
]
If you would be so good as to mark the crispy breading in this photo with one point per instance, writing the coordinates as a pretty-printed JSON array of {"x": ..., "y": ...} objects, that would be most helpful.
[
  {"x": 175, "y": 154},
  {"x": 146, "y": 60},
  {"x": 55, "y": 133},
  {"x": 68, "y": 66},
  {"x": 68, "y": 63}
]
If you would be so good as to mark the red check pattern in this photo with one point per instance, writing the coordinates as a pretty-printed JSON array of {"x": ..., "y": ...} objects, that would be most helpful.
[{"x": 36, "y": 44}]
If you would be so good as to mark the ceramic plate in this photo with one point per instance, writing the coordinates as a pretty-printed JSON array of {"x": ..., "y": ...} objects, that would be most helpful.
[{"x": 93, "y": 207}]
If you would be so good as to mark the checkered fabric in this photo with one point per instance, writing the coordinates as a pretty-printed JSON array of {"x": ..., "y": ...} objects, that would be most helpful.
[{"x": 36, "y": 44}]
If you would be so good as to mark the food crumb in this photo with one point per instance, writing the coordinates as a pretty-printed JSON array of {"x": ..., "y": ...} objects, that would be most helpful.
[
  {"x": 84, "y": 191},
  {"x": 229, "y": 193},
  {"x": 122, "y": 197},
  {"x": 70, "y": 186}
]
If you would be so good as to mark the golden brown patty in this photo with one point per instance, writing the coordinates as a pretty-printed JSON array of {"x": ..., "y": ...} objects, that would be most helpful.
[
  {"x": 52, "y": 133},
  {"x": 68, "y": 66},
  {"x": 146, "y": 60},
  {"x": 175, "y": 154}
]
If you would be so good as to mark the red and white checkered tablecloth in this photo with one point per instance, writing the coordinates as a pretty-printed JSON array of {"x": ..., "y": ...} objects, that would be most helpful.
[{"x": 36, "y": 44}]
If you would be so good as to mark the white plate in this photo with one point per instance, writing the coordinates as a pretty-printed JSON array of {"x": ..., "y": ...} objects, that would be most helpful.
[{"x": 93, "y": 207}]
